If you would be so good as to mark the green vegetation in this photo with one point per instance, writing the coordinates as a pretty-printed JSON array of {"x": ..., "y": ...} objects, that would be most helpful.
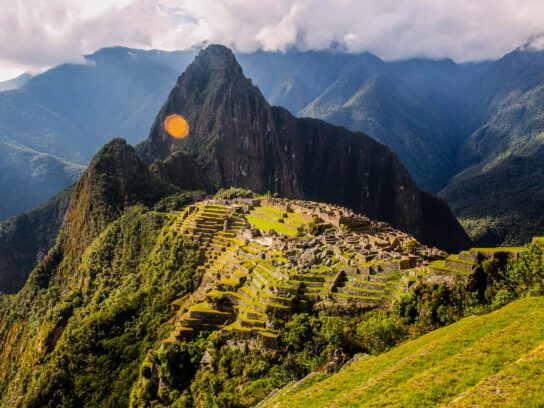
[
  {"x": 234, "y": 192},
  {"x": 95, "y": 319},
  {"x": 267, "y": 225},
  {"x": 457, "y": 363},
  {"x": 99, "y": 331},
  {"x": 26, "y": 238}
]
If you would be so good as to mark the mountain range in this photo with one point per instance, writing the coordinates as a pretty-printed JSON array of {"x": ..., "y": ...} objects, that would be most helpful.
[{"x": 471, "y": 133}]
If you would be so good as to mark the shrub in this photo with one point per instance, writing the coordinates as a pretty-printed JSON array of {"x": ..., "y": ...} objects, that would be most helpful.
[{"x": 234, "y": 192}]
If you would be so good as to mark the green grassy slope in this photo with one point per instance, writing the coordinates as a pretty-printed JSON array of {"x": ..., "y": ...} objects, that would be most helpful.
[{"x": 491, "y": 360}]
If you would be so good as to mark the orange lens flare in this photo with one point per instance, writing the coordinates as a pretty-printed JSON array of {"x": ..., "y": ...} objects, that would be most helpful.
[{"x": 176, "y": 126}]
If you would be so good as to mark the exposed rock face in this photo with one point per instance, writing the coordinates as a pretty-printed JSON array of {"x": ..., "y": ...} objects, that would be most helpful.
[{"x": 240, "y": 140}]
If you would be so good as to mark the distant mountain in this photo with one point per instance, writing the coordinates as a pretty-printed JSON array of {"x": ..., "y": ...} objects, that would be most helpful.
[
  {"x": 406, "y": 105},
  {"x": 26, "y": 238},
  {"x": 27, "y": 177},
  {"x": 238, "y": 139},
  {"x": 498, "y": 193},
  {"x": 15, "y": 83},
  {"x": 52, "y": 126}
]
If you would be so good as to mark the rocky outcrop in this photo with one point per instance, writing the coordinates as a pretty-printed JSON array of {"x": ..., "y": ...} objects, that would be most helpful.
[{"x": 238, "y": 139}]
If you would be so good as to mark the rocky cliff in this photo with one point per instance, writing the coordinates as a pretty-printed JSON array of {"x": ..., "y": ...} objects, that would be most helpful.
[{"x": 238, "y": 139}]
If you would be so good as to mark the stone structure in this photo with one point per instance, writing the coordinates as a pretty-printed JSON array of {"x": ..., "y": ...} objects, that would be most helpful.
[{"x": 271, "y": 256}]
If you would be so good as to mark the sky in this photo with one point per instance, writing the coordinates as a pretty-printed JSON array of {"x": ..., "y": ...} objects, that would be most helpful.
[{"x": 37, "y": 34}]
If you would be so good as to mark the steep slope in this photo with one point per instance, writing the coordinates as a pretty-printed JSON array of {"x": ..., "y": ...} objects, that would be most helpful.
[
  {"x": 239, "y": 140},
  {"x": 490, "y": 360},
  {"x": 57, "y": 120},
  {"x": 79, "y": 302},
  {"x": 413, "y": 106},
  {"x": 369, "y": 98},
  {"x": 26, "y": 238},
  {"x": 503, "y": 156}
]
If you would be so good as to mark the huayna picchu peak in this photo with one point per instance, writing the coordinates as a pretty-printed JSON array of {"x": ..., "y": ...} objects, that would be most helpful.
[{"x": 239, "y": 140}]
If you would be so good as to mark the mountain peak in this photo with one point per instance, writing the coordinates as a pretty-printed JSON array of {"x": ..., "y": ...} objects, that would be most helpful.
[
  {"x": 217, "y": 57},
  {"x": 115, "y": 178}
]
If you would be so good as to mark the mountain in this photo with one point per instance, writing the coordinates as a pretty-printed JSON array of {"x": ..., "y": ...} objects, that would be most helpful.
[
  {"x": 53, "y": 125},
  {"x": 273, "y": 289},
  {"x": 28, "y": 177},
  {"x": 406, "y": 105},
  {"x": 15, "y": 83},
  {"x": 240, "y": 140},
  {"x": 499, "y": 356},
  {"x": 497, "y": 194},
  {"x": 83, "y": 268},
  {"x": 26, "y": 238}
]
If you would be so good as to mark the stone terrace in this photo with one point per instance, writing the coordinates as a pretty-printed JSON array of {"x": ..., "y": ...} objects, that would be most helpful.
[{"x": 271, "y": 257}]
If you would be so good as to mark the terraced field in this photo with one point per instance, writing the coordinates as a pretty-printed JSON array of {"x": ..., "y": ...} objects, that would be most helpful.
[
  {"x": 261, "y": 261},
  {"x": 495, "y": 360},
  {"x": 466, "y": 262}
]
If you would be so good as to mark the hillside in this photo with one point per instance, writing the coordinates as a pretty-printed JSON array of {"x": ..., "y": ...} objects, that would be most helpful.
[
  {"x": 101, "y": 299},
  {"x": 501, "y": 159},
  {"x": 486, "y": 361},
  {"x": 239, "y": 140},
  {"x": 87, "y": 275}
]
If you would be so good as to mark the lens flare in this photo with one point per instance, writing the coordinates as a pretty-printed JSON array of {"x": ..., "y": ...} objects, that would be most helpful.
[{"x": 176, "y": 126}]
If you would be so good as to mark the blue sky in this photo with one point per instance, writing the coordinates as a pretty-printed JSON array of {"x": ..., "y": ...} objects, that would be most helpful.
[{"x": 37, "y": 34}]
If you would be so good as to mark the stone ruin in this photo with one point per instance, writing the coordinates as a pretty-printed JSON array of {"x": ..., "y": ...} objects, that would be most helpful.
[{"x": 262, "y": 261}]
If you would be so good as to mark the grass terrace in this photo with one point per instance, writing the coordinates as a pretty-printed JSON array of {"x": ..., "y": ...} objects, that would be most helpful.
[{"x": 489, "y": 361}]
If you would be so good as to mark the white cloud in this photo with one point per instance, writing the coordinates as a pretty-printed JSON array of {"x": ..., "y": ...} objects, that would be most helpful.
[{"x": 37, "y": 33}]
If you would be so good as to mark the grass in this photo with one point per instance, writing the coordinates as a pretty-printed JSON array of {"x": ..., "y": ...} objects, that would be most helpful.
[
  {"x": 441, "y": 264},
  {"x": 267, "y": 225},
  {"x": 491, "y": 360},
  {"x": 205, "y": 308},
  {"x": 457, "y": 259},
  {"x": 499, "y": 249}
]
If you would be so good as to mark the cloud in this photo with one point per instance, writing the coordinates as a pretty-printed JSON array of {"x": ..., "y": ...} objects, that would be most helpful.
[{"x": 35, "y": 33}]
